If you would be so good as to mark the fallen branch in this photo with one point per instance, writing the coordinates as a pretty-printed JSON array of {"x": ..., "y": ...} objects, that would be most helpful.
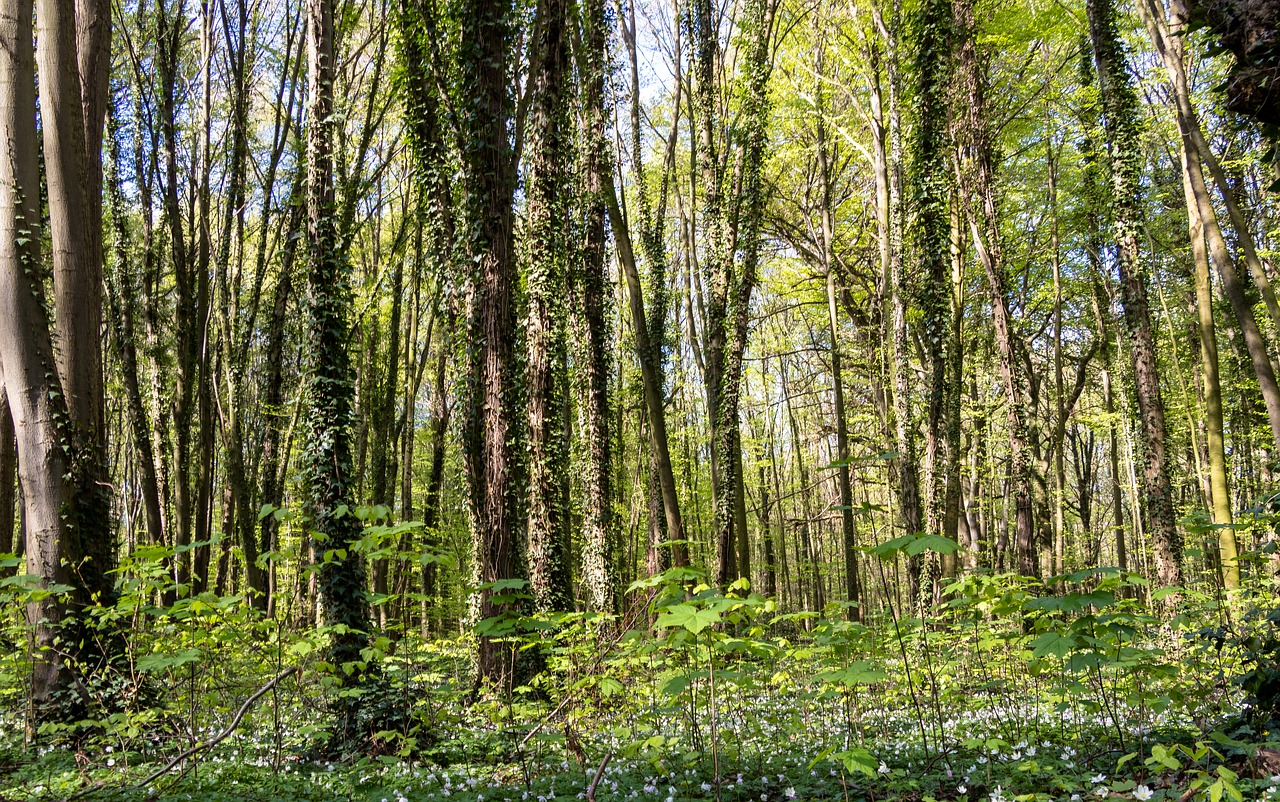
[{"x": 235, "y": 722}]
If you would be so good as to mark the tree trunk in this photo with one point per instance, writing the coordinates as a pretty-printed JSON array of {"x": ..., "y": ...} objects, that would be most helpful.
[
  {"x": 73, "y": 70},
  {"x": 329, "y": 476},
  {"x": 492, "y": 438},
  {"x": 654, "y": 398},
  {"x": 848, "y": 536},
  {"x": 545, "y": 332},
  {"x": 908, "y": 480},
  {"x": 1120, "y": 109},
  {"x": 978, "y": 172},
  {"x": 121, "y": 296},
  {"x": 929, "y": 236},
  {"x": 599, "y": 573},
  {"x": 1194, "y": 149},
  {"x": 34, "y": 395}
]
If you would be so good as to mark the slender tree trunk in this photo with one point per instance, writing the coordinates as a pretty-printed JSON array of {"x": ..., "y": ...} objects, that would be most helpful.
[
  {"x": 654, "y": 398},
  {"x": 329, "y": 475},
  {"x": 1120, "y": 110},
  {"x": 1193, "y": 151},
  {"x": 121, "y": 297},
  {"x": 908, "y": 480},
  {"x": 848, "y": 536},
  {"x": 978, "y": 172}
]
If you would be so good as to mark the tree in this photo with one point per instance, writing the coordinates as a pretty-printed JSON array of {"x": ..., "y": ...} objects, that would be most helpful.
[
  {"x": 731, "y": 226},
  {"x": 929, "y": 235},
  {"x": 1120, "y": 116},
  {"x": 827, "y": 231},
  {"x": 976, "y": 170},
  {"x": 592, "y": 286},
  {"x": 546, "y": 335},
  {"x": 329, "y": 474},
  {"x": 32, "y": 385},
  {"x": 492, "y": 430}
]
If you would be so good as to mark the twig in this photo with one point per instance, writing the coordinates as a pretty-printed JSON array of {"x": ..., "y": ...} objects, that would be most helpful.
[
  {"x": 235, "y": 722},
  {"x": 591, "y": 789},
  {"x": 599, "y": 658}
]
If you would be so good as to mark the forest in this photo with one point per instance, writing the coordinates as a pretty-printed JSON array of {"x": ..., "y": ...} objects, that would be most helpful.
[{"x": 639, "y": 399}]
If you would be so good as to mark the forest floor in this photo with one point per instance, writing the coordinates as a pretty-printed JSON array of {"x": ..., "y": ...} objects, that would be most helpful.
[{"x": 1078, "y": 697}]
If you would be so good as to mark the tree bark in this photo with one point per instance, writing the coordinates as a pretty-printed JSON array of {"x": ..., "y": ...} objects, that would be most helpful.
[
  {"x": 73, "y": 70},
  {"x": 1120, "y": 112},
  {"x": 599, "y": 574},
  {"x": 27, "y": 370},
  {"x": 978, "y": 172},
  {"x": 848, "y": 541},
  {"x": 492, "y": 437},
  {"x": 329, "y": 474},
  {"x": 929, "y": 236},
  {"x": 546, "y": 338}
]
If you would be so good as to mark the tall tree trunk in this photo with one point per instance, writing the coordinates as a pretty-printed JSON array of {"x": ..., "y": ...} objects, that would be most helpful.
[
  {"x": 34, "y": 394},
  {"x": 654, "y": 397},
  {"x": 170, "y": 29},
  {"x": 275, "y": 414},
  {"x": 599, "y": 573},
  {"x": 929, "y": 235},
  {"x": 908, "y": 481},
  {"x": 978, "y": 172},
  {"x": 74, "y": 56},
  {"x": 493, "y": 438},
  {"x": 329, "y": 474},
  {"x": 121, "y": 296},
  {"x": 1219, "y": 492},
  {"x": 1120, "y": 111},
  {"x": 848, "y": 541},
  {"x": 1194, "y": 149},
  {"x": 730, "y": 230},
  {"x": 545, "y": 332}
]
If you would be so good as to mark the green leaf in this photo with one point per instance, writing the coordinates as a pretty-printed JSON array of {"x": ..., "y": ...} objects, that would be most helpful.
[
  {"x": 1053, "y": 643},
  {"x": 689, "y": 617},
  {"x": 675, "y": 685},
  {"x": 936, "y": 543},
  {"x": 153, "y": 663},
  {"x": 857, "y": 760}
]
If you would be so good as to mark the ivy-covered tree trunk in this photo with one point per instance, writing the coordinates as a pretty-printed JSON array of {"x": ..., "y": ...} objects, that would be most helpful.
[
  {"x": 1120, "y": 115},
  {"x": 545, "y": 333},
  {"x": 492, "y": 425},
  {"x": 732, "y": 255},
  {"x": 432, "y": 161},
  {"x": 329, "y": 472},
  {"x": 929, "y": 236},
  {"x": 27, "y": 369},
  {"x": 599, "y": 574}
]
